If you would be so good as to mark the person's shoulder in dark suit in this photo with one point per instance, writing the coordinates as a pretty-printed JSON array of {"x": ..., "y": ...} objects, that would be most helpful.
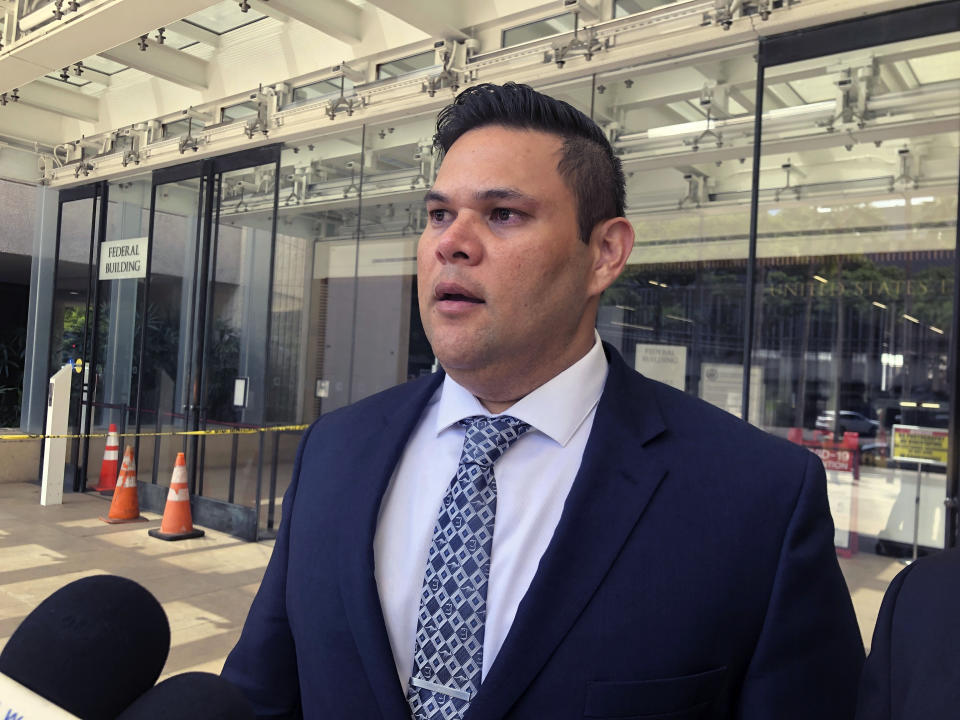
[
  {"x": 761, "y": 464},
  {"x": 914, "y": 666}
]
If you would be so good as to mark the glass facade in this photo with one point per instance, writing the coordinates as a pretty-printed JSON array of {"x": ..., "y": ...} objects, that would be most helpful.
[
  {"x": 402, "y": 66},
  {"x": 537, "y": 30},
  {"x": 804, "y": 283},
  {"x": 854, "y": 286}
]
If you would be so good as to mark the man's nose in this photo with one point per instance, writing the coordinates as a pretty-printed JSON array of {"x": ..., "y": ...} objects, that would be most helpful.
[{"x": 461, "y": 241}]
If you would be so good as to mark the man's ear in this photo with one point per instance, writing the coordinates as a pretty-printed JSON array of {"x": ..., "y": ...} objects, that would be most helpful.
[{"x": 611, "y": 243}]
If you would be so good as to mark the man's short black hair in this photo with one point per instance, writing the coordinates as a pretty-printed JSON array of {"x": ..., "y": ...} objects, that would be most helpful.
[{"x": 589, "y": 167}]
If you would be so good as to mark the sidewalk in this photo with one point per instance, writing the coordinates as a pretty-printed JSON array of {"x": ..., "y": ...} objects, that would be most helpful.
[{"x": 205, "y": 584}]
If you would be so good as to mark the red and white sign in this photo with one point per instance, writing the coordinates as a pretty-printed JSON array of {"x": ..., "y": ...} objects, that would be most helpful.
[{"x": 835, "y": 459}]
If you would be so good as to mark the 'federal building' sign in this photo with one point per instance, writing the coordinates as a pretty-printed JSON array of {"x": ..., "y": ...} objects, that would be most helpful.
[{"x": 122, "y": 259}]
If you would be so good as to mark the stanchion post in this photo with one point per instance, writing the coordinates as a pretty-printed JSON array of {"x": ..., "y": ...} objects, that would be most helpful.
[
  {"x": 916, "y": 514},
  {"x": 55, "y": 449}
]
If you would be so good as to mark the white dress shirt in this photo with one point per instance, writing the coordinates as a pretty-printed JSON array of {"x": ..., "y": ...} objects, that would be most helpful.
[{"x": 533, "y": 479}]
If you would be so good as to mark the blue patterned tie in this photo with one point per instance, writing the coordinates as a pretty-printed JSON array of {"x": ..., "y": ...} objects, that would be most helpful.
[{"x": 448, "y": 656}]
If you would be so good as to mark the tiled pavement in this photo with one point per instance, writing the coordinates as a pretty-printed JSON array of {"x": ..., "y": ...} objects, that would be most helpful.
[{"x": 205, "y": 584}]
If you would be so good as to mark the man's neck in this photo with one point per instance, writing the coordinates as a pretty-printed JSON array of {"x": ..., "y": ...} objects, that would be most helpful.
[{"x": 497, "y": 395}]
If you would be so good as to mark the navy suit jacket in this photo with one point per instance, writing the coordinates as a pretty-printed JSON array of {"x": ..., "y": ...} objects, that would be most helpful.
[
  {"x": 914, "y": 666},
  {"x": 692, "y": 575}
]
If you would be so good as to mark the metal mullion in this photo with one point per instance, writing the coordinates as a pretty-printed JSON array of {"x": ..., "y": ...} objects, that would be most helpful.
[
  {"x": 356, "y": 266},
  {"x": 143, "y": 333},
  {"x": 94, "y": 282},
  {"x": 198, "y": 328},
  {"x": 190, "y": 333},
  {"x": 751, "y": 293},
  {"x": 953, "y": 452},
  {"x": 266, "y": 358},
  {"x": 204, "y": 323}
]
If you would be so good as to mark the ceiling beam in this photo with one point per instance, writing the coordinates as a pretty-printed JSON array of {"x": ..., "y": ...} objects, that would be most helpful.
[
  {"x": 18, "y": 163},
  {"x": 686, "y": 111},
  {"x": 28, "y": 125},
  {"x": 96, "y": 77},
  {"x": 87, "y": 32},
  {"x": 162, "y": 61},
  {"x": 785, "y": 93},
  {"x": 905, "y": 71},
  {"x": 437, "y": 18},
  {"x": 674, "y": 85},
  {"x": 339, "y": 19},
  {"x": 745, "y": 102},
  {"x": 195, "y": 32},
  {"x": 59, "y": 98}
]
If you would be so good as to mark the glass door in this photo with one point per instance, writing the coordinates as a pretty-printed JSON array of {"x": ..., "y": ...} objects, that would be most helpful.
[
  {"x": 120, "y": 272},
  {"x": 176, "y": 225},
  {"x": 237, "y": 316},
  {"x": 80, "y": 223},
  {"x": 206, "y": 324},
  {"x": 855, "y": 228}
]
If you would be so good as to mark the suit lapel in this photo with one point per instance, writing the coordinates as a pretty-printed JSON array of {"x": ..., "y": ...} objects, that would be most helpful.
[
  {"x": 380, "y": 443},
  {"x": 616, "y": 480}
]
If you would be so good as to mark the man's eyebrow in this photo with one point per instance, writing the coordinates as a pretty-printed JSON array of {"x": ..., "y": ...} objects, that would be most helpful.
[{"x": 504, "y": 193}]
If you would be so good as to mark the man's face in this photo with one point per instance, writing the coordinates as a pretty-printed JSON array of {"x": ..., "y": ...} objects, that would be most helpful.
[{"x": 503, "y": 277}]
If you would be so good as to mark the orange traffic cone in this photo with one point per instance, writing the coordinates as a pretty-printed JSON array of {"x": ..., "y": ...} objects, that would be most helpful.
[
  {"x": 177, "y": 523},
  {"x": 125, "y": 506},
  {"x": 108, "y": 468}
]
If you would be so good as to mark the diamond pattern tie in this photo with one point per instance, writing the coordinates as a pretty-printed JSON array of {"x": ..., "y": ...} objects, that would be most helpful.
[{"x": 448, "y": 656}]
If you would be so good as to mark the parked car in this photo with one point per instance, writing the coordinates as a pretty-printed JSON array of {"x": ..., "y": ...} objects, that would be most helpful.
[{"x": 850, "y": 421}]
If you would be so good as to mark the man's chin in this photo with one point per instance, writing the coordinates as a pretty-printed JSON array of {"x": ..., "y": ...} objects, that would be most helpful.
[{"x": 457, "y": 363}]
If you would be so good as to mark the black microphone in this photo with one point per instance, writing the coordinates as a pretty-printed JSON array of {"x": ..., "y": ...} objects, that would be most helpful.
[
  {"x": 194, "y": 695},
  {"x": 91, "y": 648}
]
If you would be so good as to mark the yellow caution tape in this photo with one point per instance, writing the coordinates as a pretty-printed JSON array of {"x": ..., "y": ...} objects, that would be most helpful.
[{"x": 169, "y": 433}]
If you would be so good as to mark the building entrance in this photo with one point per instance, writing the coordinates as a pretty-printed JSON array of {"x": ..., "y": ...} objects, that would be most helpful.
[{"x": 163, "y": 302}]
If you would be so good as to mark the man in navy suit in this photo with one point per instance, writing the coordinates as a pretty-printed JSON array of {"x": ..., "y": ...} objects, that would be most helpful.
[
  {"x": 912, "y": 671},
  {"x": 652, "y": 556}
]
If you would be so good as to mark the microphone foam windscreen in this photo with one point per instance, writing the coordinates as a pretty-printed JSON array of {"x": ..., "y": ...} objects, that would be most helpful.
[
  {"x": 194, "y": 695},
  {"x": 92, "y": 647}
]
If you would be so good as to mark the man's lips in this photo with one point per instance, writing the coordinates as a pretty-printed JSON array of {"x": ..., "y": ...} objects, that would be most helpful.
[{"x": 452, "y": 292}]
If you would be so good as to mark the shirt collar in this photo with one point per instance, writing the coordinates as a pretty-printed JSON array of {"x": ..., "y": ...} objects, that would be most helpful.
[{"x": 556, "y": 408}]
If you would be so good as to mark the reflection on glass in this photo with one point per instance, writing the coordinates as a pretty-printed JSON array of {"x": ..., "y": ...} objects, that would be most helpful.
[
  {"x": 396, "y": 68},
  {"x": 683, "y": 135},
  {"x": 317, "y": 235},
  {"x": 238, "y": 111},
  {"x": 537, "y": 30},
  {"x": 622, "y": 8},
  {"x": 182, "y": 128},
  {"x": 321, "y": 88},
  {"x": 165, "y": 366},
  {"x": 72, "y": 313},
  {"x": 856, "y": 238},
  {"x": 113, "y": 380},
  {"x": 236, "y": 317},
  {"x": 72, "y": 290}
]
